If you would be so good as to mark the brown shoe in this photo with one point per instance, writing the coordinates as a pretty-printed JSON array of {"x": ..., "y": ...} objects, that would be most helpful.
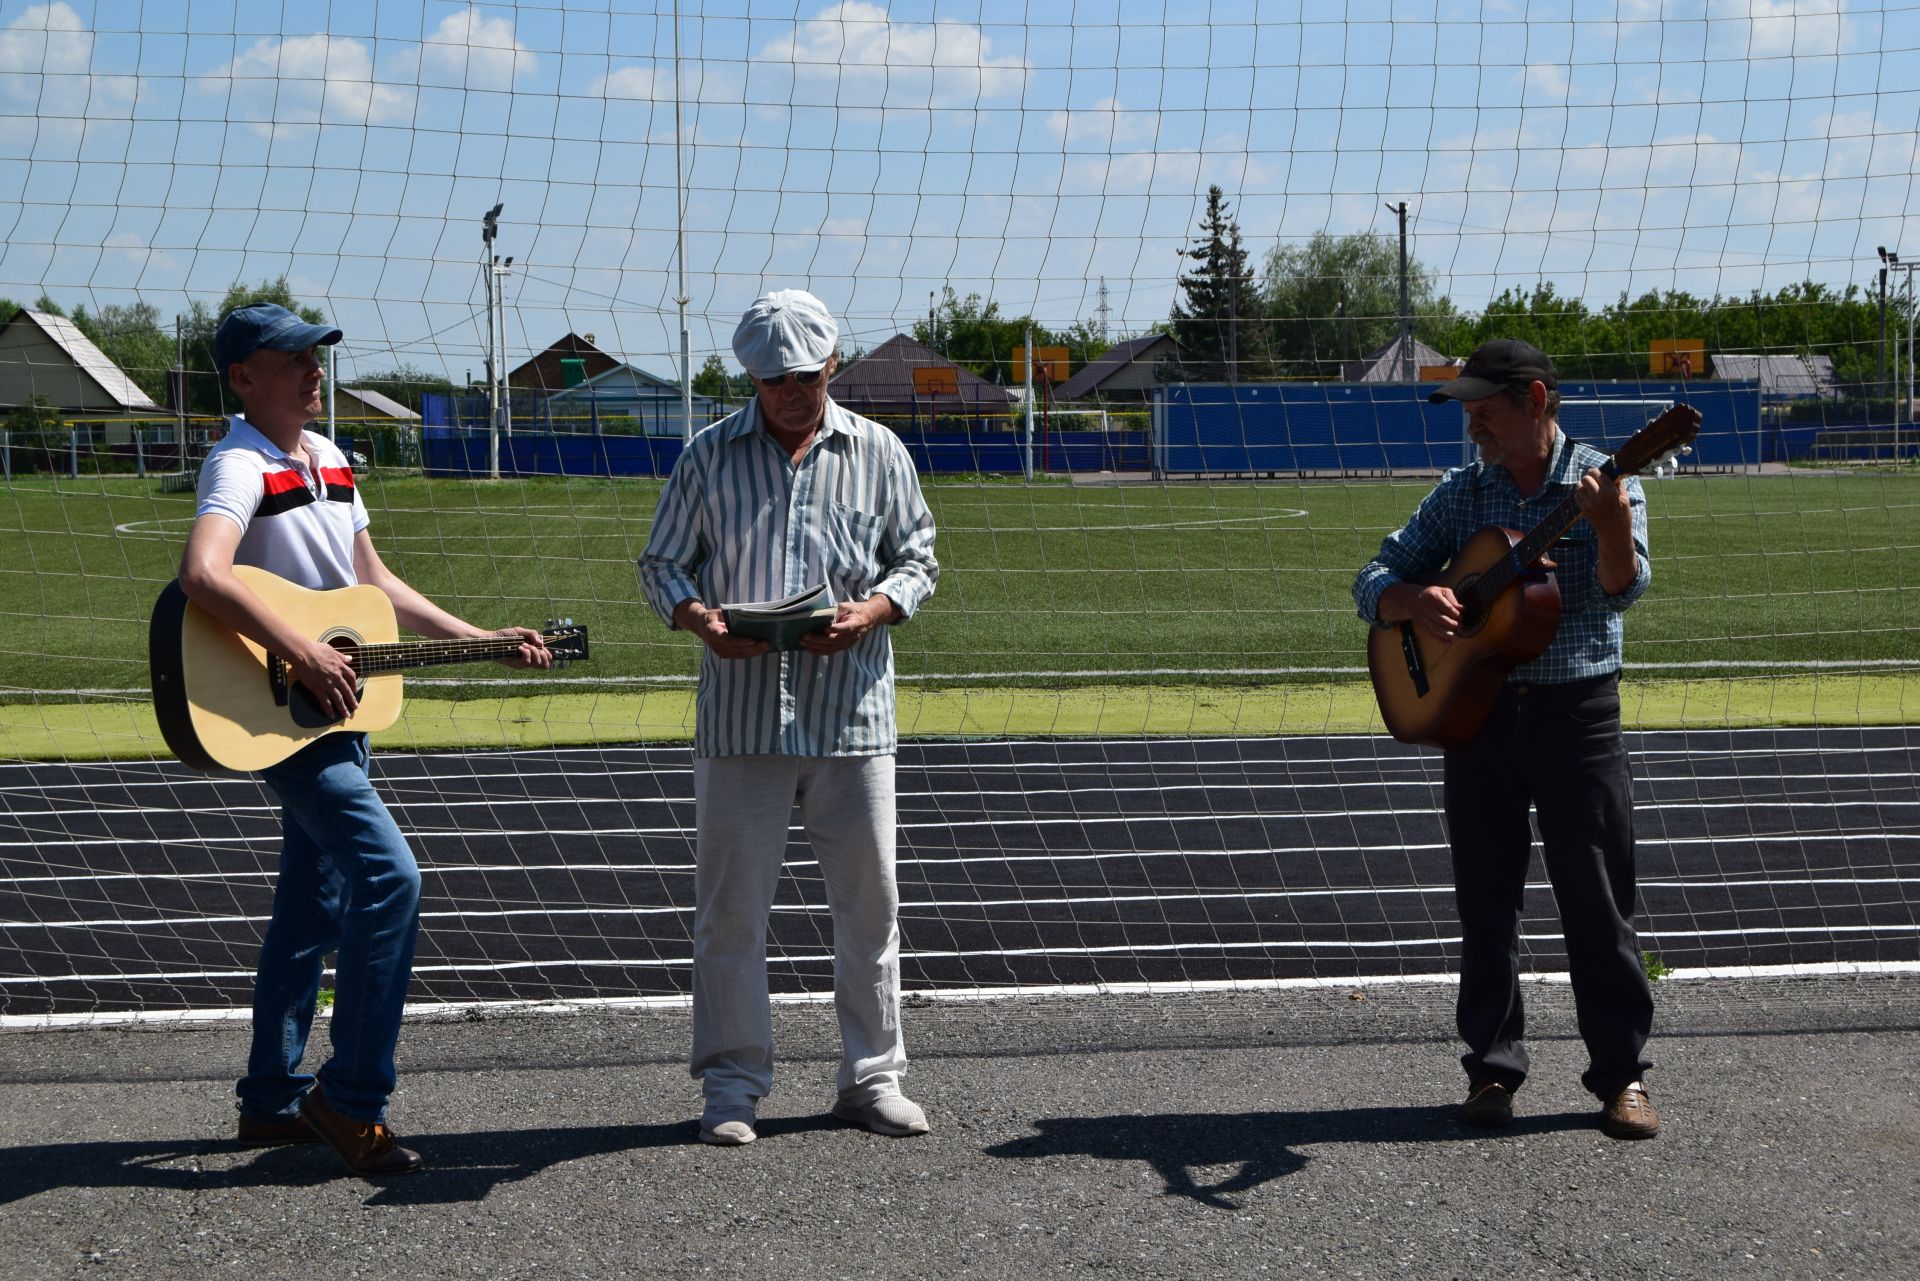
[
  {"x": 1630, "y": 1115},
  {"x": 273, "y": 1131},
  {"x": 368, "y": 1149},
  {"x": 1489, "y": 1105}
]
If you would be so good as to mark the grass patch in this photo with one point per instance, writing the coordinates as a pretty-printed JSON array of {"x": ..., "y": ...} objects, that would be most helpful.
[{"x": 126, "y": 729}]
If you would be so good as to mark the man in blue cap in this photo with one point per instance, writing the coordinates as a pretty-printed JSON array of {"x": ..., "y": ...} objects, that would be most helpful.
[
  {"x": 279, "y": 497},
  {"x": 1552, "y": 742},
  {"x": 792, "y": 492}
]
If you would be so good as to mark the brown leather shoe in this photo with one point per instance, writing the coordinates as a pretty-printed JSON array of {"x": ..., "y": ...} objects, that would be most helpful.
[
  {"x": 368, "y": 1149},
  {"x": 1630, "y": 1115},
  {"x": 1489, "y": 1105},
  {"x": 273, "y": 1131}
]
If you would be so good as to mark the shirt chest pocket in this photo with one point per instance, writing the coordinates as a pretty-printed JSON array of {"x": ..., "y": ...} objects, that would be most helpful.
[{"x": 853, "y": 550}]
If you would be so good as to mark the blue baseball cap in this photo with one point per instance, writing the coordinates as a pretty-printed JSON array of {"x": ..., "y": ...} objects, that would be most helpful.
[{"x": 265, "y": 326}]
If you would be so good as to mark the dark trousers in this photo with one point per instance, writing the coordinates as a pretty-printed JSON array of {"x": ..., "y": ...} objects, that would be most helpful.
[{"x": 1558, "y": 750}]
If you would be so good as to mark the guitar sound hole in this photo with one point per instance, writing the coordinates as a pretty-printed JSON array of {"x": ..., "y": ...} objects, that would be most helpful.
[
  {"x": 307, "y": 713},
  {"x": 1473, "y": 615}
]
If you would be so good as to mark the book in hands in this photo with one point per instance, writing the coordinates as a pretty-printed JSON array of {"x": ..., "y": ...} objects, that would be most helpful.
[{"x": 781, "y": 623}]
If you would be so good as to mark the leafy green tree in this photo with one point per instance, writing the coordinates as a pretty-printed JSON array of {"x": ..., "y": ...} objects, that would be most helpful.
[
  {"x": 1217, "y": 312},
  {"x": 131, "y": 337},
  {"x": 974, "y": 334},
  {"x": 407, "y": 384},
  {"x": 1334, "y": 299}
]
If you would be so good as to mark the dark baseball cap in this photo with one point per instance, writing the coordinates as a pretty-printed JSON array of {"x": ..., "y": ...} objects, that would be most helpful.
[
  {"x": 1495, "y": 366},
  {"x": 265, "y": 326}
]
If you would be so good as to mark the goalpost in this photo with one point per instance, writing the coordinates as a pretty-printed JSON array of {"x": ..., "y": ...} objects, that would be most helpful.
[{"x": 1140, "y": 747}]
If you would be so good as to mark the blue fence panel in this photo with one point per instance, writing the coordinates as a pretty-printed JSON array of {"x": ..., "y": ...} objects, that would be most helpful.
[
  {"x": 446, "y": 451},
  {"x": 1364, "y": 427}
]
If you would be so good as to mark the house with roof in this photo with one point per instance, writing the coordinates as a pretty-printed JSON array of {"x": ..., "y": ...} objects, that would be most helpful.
[
  {"x": 1126, "y": 373},
  {"x": 370, "y": 406},
  {"x": 45, "y": 355},
  {"x": 1388, "y": 364},
  {"x": 554, "y": 369},
  {"x": 1780, "y": 377},
  {"x": 882, "y": 384},
  {"x": 625, "y": 391}
]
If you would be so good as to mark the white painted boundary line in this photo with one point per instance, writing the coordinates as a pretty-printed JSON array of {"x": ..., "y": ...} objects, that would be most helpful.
[
  {"x": 589, "y": 1005},
  {"x": 139, "y": 694}
]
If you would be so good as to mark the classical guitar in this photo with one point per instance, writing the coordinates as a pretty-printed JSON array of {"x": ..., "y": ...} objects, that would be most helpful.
[
  {"x": 224, "y": 702},
  {"x": 1438, "y": 695}
]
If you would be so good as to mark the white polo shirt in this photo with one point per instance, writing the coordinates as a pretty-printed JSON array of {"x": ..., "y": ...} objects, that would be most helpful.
[{"x": 295, "y": 521}]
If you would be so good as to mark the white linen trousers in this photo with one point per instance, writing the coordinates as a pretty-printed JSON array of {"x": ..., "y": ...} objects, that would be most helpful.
[{"x": 744, "y": 807}]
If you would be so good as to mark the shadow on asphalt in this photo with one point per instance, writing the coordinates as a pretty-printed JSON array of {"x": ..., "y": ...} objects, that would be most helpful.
[
  {"x": 1257, "y": 1147},
  {"x": 460, "y": 1167}
]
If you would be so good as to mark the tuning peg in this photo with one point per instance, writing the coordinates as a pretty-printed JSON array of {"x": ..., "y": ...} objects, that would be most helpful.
[{"x": 1686, "y": 449}]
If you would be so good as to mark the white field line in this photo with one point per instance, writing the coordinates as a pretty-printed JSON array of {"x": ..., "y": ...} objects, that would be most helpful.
[
  {"x": 1010, "y": 994},
  {"x": 139, "y": 694},
  {"x": 998, "y": 857},
  {"x": 912, "y": 906}
]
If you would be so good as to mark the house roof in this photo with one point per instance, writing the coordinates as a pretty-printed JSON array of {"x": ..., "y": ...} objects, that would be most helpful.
[
  {"x": 638, "y": 374},
  {"x": 1118, "y": 357},
  {"x": 386, "y": 406},
  {"x": 88, "y": 359},
  {"x": 543, "y": 372},
  {"x": 884, "y": 377},
  {"x": 1797, "y": 376},
  {"x": 1385, "y": 365}
]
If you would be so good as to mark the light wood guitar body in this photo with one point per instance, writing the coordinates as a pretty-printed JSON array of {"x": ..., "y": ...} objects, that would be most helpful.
[{"x": 223, "y": 702}]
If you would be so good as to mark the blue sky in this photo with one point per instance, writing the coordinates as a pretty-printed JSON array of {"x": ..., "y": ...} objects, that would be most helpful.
[{"x": 874, "y": 152}]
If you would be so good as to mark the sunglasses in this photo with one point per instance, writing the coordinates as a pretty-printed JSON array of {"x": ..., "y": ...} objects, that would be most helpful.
[{"x": 806, "y": 379}]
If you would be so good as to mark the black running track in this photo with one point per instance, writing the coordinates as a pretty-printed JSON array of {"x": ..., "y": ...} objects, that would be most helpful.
[{"x": 567, "y": 874}]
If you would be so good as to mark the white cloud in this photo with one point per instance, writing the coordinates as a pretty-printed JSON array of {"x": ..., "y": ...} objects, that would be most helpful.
[
  {"x": 1776, "y": 28},
  {"x": 629, "y": 82},
  {"x": 307, "y": 80},
  {"x": 1546, "y": 80},
  {"x": 1105, "y": 126},
  {"x": 470, "y": 51},
  {"x": 857, "y": 54},
  {"x": 46, "y": 64}
]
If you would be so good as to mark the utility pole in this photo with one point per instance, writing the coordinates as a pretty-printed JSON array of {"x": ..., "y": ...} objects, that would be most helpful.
[
  {"x": 180, "y": 385},
  {"x": 1880, "y": 384},
  {"x": 501, "y": 270},
  {"x": 1406, "y": 306},
  {"x": 680, "y": 242},
  {"x": 490, "y": 227}
]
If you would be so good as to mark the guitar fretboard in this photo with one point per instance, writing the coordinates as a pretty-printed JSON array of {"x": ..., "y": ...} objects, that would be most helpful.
[{"x": 400, "y": 655}]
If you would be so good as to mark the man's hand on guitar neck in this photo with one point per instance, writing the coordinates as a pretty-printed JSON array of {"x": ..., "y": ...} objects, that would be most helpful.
[
  {"x": 1434, "y": 608},
  {"x": 1604, "y": 502}
]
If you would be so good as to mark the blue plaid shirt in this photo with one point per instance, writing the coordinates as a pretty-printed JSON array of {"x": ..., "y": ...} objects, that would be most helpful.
[
  {"x": 1468, "y": 498},
  {"x": 739, "y": 521}
]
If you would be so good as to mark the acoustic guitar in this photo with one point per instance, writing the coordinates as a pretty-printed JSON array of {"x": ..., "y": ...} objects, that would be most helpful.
[
  {"x": 224, "y": 702},
  {"x": 1438, "y": 695}
]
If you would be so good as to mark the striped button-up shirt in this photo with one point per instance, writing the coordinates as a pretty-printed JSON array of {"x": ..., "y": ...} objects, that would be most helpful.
[
  {"x": 1588, "y": 641},
  {"x": 740, "y": 521}
]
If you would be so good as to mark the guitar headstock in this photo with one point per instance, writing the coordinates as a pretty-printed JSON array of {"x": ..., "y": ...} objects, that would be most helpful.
[
  {"x": 565, "y": 642},
  {"x": 1660, "y": 444}
]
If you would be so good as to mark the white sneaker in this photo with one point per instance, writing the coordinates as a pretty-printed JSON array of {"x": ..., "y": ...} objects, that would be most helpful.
[
  {"x": 894, "y": 1115},
  {"x": 727, "y": 1131}
]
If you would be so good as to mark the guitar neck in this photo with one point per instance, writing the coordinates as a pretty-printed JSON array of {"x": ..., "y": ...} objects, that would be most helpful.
[
  {"x": 1531, "y": 548},
  {"x": 399, "y": 656}
]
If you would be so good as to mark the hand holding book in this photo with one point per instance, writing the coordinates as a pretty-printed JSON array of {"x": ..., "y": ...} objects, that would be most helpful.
[{"x": 781, "y": 623}]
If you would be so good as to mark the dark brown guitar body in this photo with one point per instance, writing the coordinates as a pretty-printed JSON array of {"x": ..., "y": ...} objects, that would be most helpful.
[{"x": 1438, "y": 694}]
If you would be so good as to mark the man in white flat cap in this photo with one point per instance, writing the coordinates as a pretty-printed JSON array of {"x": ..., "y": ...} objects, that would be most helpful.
[{"x": 788, "y": 493}]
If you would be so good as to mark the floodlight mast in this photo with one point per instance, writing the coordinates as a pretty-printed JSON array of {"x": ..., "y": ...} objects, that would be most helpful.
[{"x": 489, "y": 228}]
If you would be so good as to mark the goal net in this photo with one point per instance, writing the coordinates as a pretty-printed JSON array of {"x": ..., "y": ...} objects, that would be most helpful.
[{"x": 1139, "y": 744}]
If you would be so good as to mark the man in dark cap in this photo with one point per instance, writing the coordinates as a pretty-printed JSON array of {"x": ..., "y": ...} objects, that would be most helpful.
[
  {"x": 1551, "y": 743},
  {"x": 279, "y": 497},
  {"x": 790, "y": 493}
]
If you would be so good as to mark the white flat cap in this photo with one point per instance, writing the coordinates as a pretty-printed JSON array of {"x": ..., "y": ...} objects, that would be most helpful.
[{"x": 786, "y": 331}]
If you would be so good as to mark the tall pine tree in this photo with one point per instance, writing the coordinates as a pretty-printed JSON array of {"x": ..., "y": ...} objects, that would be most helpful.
[{"x": 1216, "y": 318}]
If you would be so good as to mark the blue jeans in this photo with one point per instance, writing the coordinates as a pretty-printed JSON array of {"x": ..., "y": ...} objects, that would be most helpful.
[{"x": 348, "y": 884}]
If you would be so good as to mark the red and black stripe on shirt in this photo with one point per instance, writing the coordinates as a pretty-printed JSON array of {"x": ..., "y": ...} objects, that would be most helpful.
[{"x": 287, "y": 489}]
